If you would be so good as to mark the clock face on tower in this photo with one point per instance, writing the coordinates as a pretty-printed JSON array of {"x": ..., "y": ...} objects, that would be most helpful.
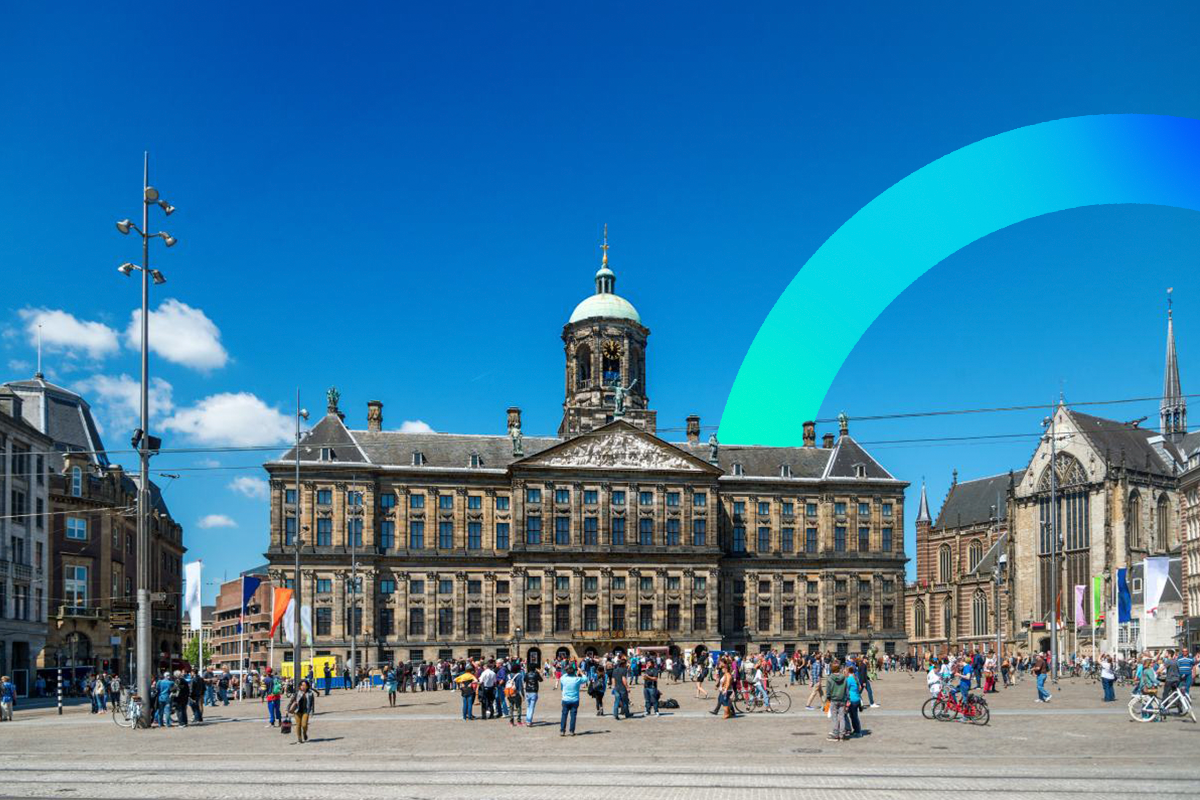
[{"x": 612, "y": 350}]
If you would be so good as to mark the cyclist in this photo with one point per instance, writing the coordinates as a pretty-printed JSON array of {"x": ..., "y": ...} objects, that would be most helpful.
[
  {"x": 760, "y": 685},
  {"x": 965, "y": 671},
  {"x": 1147, "y": 678}
]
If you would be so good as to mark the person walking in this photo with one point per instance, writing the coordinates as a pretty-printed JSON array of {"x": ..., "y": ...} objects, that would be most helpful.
[
  {"x": 1040, "y": 669},
  {"x": 835, "y": 692},
  {"x": 469, "y": 689},
  {"x": 100, "y": 694},
  {"x": 274, "y": 692},
  {"x": 597, "y": 685},
  {"x": 8, "y": 699},
  {"x": 725, "y": 690},
  {"x": 818, "y": 690},
  {"x": 854, "y": 703},
  {"x": 1187, "y": 669},
  {"x": 196, "y": 694},
  {"x": 701, "y": 677},
  {"x": 389, "y": 683},
  {"x": 570, "y": 683},
  {"x": 328, "y": 678},
  {"x": 487, "y": 690},
  {"x": 531, "y": 681},
  {"x": 302, "y": 706},
  {"x": 514, "y": 687},
  {"x": 1107, "y": 678}
]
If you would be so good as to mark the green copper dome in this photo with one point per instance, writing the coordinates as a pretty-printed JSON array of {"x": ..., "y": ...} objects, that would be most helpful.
[{"x": 605, "y": 305}]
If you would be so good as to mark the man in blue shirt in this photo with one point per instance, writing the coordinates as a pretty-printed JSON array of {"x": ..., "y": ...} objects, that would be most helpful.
[
  {"x": 570, "y": 698},
  {"x": 1186, "y": 664},
  {"x": 964, "y": 679}
]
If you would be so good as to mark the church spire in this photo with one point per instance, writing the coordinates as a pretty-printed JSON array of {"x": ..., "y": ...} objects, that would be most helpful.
[
  {"x": 1173, "y": 409},
  {"x": 923, "y": 510}
]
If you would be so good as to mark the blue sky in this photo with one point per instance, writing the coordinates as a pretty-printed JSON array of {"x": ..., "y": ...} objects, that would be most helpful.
[{"x": 406, "y": 202}]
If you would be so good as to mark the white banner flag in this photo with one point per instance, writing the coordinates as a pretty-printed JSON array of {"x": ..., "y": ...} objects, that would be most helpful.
[
  {"x": 191, "y": 575},
  {"x": 306, "y": 623},
  {"x": 289, "y": 622},
  {"x": 1155, "y": 581}
]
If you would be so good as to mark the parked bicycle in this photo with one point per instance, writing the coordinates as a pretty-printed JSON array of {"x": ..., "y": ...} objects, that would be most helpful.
[
  {"x": 1147, "y": 707},
  {"x": 746, "y": 700},
  {"x": 126, "y": 708},
  {"x": 973, "y": 710}
]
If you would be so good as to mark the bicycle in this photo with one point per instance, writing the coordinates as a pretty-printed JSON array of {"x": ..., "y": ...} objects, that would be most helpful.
[
  {"x": 127, "y": 709},
  {"x": 927, "y": 708},
  {"x": 1147, "y": 707},
  {"x": 974, "y": 710}
]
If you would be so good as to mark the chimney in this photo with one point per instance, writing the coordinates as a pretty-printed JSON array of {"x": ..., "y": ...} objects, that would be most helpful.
[
  {"x": 810, "y": 434},
  {"x": 514, "y": 419},
  {"x": 374, "y": 416},
  {"x": 693, "y": 429},
  {"x": 827, "y": 441}
]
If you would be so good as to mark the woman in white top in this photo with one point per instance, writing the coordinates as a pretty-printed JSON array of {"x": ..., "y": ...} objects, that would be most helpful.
[{"x": 934, "y": 680}]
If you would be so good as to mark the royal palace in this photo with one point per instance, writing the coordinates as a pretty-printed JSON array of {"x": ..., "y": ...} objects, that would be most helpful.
[{"x": 606, "y": 537}]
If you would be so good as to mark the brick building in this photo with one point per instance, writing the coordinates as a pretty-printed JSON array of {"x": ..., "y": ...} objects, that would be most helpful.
[
  {"x": 604, "y": 537},
  {"x": 227, "y": 643}
]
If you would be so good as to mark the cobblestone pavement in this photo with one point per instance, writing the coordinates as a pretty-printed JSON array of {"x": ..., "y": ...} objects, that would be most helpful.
[{"x": 360, "y": 748}]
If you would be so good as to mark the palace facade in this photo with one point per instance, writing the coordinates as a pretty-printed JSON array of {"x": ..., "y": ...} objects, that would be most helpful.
[{"x": 606, "y": 537}]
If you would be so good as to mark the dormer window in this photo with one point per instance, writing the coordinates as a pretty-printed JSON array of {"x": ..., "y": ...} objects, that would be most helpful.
[
  {"x": 860, "y": 470},
  {"x": 326, "y": 454},
  {"x": 737, "y": 469},
  {"x": 476, "y": 461},
  {"x": 418, "y": 458},
  {"x": 785, "y": 470}
]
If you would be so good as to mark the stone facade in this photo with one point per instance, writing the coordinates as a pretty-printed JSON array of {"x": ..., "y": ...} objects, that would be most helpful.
[
  {"x": 605, "y": 537},
  {"x": 24, "y": 503}
]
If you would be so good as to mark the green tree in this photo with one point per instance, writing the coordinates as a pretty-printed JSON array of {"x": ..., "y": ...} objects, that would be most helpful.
[{"x": 191, "y": 652}]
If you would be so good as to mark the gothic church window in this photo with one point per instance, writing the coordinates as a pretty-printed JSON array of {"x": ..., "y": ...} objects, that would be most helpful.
[
  {"x": 919, "y": 619},
  {"x": 975, "y": 554},
  {"x": 944, "y": 564},
  {"x": 1163, "y": 524},
  {"x": 979, "y": 614}
]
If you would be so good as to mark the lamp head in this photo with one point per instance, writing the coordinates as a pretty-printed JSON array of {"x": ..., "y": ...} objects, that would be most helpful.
[
  {"x": 303, "y": 413},
  {"x": 151, "y": 194},
  {"x": 126, "y": 269},
  {"x": 169, "y": 239},
  {"x": 167, "y": 208},
  {"x": 157, "y": 276},
  {"x": 124, "y": 225}
]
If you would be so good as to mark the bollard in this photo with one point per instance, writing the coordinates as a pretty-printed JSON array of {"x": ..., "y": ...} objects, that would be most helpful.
[{"x": 60, "y": 691}]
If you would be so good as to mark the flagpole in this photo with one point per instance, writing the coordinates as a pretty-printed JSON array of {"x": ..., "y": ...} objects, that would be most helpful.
[
  {"x": 242, "y": 641},
  {"x": 271, "y": 644}
]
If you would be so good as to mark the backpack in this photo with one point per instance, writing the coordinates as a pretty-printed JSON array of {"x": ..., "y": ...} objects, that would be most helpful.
[
  {"x": 670, "y": 702},
  {"x": 510, "y": 688}
]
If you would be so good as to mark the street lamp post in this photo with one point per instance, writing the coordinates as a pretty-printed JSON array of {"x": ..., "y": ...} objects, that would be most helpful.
[
  {"x": 517, "y": 635},
  {"x": 142, "y": 441},
  {"x": 296, "y": 624}
]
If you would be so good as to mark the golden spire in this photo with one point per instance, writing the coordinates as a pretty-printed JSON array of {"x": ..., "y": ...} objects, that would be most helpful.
[{"x": 604, "y": 247}]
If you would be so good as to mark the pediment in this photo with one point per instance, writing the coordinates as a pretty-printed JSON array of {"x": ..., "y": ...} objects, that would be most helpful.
[{"x": 618, "y": 445}]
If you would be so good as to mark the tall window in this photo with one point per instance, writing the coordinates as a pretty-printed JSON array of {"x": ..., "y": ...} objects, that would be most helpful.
[
  {"x": 562, "y": 530},
  {"x": 324, "y": 532},
  {"x": 810, "y": 540},
  {"x": 446, "y": 502},
  {"x": 501, "y": 535},
  {"x": 416, "y": 622},
  {"x": 618, "y": 530},
  {"x": 445, "y": 621},
  {"x": 699, "y": 532},
  {"x": 1163, "y": 524},
  {"x": 974, "y": 554},
  {"x": 739, "y": 538},
  {"x": 979, "y": 614},
  {"x": 445, "y": 535},
  {"x": 533, "y": 618},
  {"x": 387, "y": 534},
  {"x": 324, "y": 621},
  {"x": 839, "y": 538},
  {"x": 75, "y": 585},
  {"x": 416, "y": 535},
  {"x": 885, "y": 540},
  {"x": 645, "y": 531},
  {"x": 864, "y": 539},
  {"x": 501, "y": 620},
  {"x": 474, "y": 535},
  {"x": 355, "y": 532},
  {"x": 591, "y": 530},
  {"x": 645, "y": 617},
  {"x": 387, "y": 621},
  {"x": 919, "y": 619},
  {"x": 1133, "y": 521},
  {"x": 672, "y": 532},
  {"x": 947, "y": 617},
  {"x": 76, "y": 481},
  {"x": 944, "y": 564},
  {"x": 533, "y": 530},
  {"x": 787, "y": 540},
  {"x": 764, "y": 539}
]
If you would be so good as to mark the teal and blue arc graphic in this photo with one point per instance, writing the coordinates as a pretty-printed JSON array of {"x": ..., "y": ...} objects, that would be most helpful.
[{"x": 924, "y": 218}]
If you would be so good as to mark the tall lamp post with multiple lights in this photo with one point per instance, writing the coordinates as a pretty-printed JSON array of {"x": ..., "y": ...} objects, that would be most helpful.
[
  {"x": 142, "y": 441},
  {"x": 296, "y": 617}
]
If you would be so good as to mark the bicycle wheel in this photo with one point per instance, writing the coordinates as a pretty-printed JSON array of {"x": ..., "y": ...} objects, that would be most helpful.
[
  {"x": 979, "y": 714},
  {"x": 1143, "y": 708},
  {"x": 942, "y": 711},
  {"x": 120, "y": 715},
  {"x": 927, "y": 708},
  {"x": 781, "y": 702},
  {"x": 738, "y": 703}
]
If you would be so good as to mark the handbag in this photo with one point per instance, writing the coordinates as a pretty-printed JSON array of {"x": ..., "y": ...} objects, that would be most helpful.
[{"x": 285, "y": 725}]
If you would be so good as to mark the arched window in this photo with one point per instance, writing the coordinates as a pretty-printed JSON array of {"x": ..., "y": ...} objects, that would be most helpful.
[
  {"x": 583, "y": 366},
  {"x": 975, "y": 553},
  {"x": 1133, "y": 520},
  {"x": 919, "y": 619},
  {"x": 947, "y": 618},
  {"x": 944, "y": 564},
  {"x": 1163, "y": 523},
  {"x": 979, "y": 614},
  {"x": 76, "y": 481}
]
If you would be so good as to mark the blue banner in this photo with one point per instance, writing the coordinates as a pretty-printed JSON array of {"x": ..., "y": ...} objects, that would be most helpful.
[{"x": 1124, "y": 599}]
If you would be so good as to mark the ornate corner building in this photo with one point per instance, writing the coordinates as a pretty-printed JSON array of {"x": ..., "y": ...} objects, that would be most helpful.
[{"x": 606, "y": 537}]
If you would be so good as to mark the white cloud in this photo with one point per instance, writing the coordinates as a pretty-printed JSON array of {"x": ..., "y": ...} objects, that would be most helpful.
[
  {"x": 118, "y": 398},
  {"x": 180, "y": 334},
  {"x": 415, "y": 426},
  {"x": 235, "y": 419},
  {"x": 210, "y": 463},
  {"x": 65, "y": 333},
  {"x": 215, "y": 521},
  {"x": 18, "y": 366},
  {"x": 254, "y": 488}
]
